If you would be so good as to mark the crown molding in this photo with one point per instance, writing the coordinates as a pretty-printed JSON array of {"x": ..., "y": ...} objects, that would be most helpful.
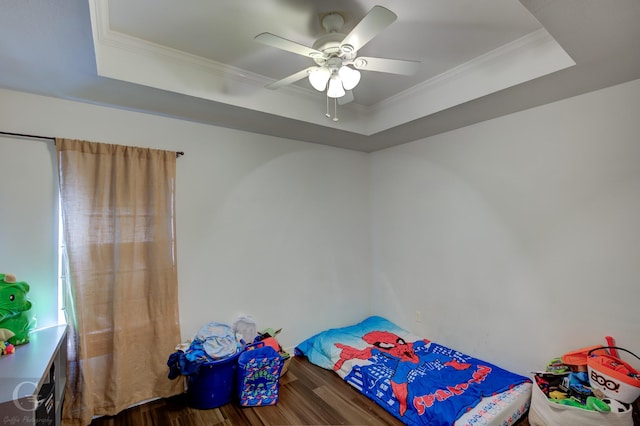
[
  {"x": 127, "y": 58},
  {"x": 530, "y": 56}
]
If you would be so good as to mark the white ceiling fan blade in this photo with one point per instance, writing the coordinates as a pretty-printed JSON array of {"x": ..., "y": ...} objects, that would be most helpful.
[
  {"x": 290, "y": 79},
  {"x": 393, "y": 66},
  {"x": 348, "y": 97},
  {"x": 288, "y": 45},
  {"x": 373, "y": 23}
]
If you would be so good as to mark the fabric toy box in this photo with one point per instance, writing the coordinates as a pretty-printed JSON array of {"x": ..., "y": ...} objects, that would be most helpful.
[{"x": 258, "y": 375}]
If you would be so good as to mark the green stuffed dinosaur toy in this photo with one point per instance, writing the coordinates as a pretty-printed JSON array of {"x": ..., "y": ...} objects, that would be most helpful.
[{"x": 14, "y": 322}]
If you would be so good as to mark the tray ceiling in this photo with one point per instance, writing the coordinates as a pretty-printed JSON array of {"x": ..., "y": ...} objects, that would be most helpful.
[
  {"x": 466, "y": 49},
  {"x": 198, "y": 60}
]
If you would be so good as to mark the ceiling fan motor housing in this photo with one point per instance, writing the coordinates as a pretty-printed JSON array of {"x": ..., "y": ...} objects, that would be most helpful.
[
  {"x": 329, "y": 44},
  {"x": 332, "y": 22}
]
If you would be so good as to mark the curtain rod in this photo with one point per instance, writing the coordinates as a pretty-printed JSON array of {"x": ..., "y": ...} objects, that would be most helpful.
[{"x": 51, "y": 138}]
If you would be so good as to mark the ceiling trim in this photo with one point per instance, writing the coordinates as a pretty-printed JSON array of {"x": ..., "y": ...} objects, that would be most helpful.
[
  {"x": 127, "y": 58},
  {"x": 526, "y": 58}
]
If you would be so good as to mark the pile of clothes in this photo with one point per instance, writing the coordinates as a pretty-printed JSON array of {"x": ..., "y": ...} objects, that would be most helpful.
[
  {"x": 217, "y": 341},
  {"x": 213, "y": 342}
]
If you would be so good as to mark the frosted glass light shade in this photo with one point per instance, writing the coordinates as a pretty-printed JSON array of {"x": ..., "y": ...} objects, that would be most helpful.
[
  {"x": 335, "y": 88},
  {"x": 350, "y": 77},
  {"x": 319, "y": 78}
]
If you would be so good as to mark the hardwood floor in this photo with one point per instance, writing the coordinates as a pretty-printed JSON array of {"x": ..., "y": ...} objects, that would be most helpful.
[{"x": 308, "y": 395}]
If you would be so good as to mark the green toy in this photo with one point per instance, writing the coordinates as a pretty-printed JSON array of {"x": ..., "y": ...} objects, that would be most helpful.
[
  {"x": 14, "y": 322},
  {"x": 592, "y": 403}
]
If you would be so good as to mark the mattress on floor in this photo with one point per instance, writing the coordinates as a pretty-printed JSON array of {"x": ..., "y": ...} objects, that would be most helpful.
[{"x": 417, "y": 380}]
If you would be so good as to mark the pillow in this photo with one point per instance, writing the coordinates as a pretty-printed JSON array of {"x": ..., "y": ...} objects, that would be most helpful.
[{"x": 321, "y": 350}]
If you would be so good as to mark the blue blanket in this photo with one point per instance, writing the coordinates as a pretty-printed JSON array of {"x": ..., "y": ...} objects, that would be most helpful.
[{"x": 416, "y": 380}]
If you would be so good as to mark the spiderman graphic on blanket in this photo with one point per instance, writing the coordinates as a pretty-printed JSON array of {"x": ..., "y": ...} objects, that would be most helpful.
[{"x": 421, "y": 382}]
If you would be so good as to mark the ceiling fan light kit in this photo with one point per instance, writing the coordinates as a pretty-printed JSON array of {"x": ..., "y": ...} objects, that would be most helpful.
[
  {"x": 345, "y": 77},
  {"x": 334, "y": 52},
  {"x": 319, "y": 78},
  {"x": 350, "y": 77},
  {"x": 335, "y": 90}
]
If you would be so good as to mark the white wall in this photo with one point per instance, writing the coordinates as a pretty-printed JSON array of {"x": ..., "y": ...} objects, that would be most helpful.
[
  {"x": 517, "y": 239},
  {"x": 275, "y": 228}
]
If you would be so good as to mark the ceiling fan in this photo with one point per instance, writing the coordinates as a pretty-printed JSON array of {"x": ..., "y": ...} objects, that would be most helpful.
[{"x": 335, "y": 54}]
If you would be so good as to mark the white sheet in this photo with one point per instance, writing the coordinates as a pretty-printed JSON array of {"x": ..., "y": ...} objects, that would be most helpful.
[{"x": 503, "y": 409}]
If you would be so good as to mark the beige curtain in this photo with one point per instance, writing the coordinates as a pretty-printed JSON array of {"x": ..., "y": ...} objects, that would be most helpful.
[{"x": 118, "y": 213}]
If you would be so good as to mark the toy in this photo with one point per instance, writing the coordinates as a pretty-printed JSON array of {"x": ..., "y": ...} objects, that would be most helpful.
[
  {"x": 6, "y": 348},
  {"x": 269, "y": 332},
  {"x": 556, "y": 366},
  {"x": 576, "y": 385},
  {"x": 617, "y": 406},
  {"x": 592, "y": 403},
  {"x": 557, "y": 395},
  {"x": 268, "y": 337},
  {"x": 14, "y": 322}
]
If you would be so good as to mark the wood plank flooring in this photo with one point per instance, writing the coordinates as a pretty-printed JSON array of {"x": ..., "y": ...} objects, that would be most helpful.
[{"x": 308, "y": 394}]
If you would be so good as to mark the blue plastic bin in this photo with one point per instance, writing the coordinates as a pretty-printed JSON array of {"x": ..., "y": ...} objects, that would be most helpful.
[{"x": 214, "y": 384}]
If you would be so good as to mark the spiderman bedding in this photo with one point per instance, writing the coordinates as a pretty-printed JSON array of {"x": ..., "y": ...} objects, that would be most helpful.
[{"x": 416, "y": 380}]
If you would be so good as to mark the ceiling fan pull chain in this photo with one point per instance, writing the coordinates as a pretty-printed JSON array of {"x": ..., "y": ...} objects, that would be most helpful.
[
  {"x": 327, "y": 114},
  {"x": 335, "y": 109}
]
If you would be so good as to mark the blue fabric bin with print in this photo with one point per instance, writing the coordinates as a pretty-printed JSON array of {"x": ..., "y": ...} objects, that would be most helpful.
[{"x": 258, "y": 376}]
